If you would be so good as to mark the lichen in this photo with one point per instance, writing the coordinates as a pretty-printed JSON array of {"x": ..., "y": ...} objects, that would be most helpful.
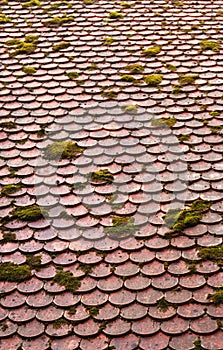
[
  {"x": 153, "y": 79},
  {"x": 26, "y": 46},
  {"x": 62, "y": 150},
  {"x": 29, "y": 70},
  {"x": 4, "y": 19},
  {"x": 121, "y": 227},
  {"x": 29, "y": 213},
  {"x": 115, "y": 15},
  {"x": 67, "y": 280},
  {"x": 108, "y": 41},
  {"x": 72, "y": 75},
  {"x": 102, "y": 175},
  {"x": 11, "y": 272},
  {"x": 151, "y": 51},
  {"x": 217, "y": 297},
  {"x": 61, "y": 46},
  {"x": 128, "y": 78},
  {"x": 10, "y": 189},
  {"x": 177, "y": 220},
  {"x": 210, "y": 45},
  {"x": 135, "y": 68},
  {"x": 57, "y": 21},
  {"x": 187, "y": 79}
]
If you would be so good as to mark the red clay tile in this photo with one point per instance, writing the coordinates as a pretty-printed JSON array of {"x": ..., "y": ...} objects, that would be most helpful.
[{"x": 158, "y": 341}]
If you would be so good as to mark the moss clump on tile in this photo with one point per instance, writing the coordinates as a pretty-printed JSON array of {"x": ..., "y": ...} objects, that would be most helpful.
[
  {"x": 210, "y": 45},
  {"x": 60, "y": 323},
  {"x": 187, "y": 79},
  {"x": 56, "y": 5},
  {"x": 197, "y": 344},
  {"x": 72, "y": 75},
  {"x": 11, "y": 272},
  {"x": 163, "y": 304},
  {"x": 93, "y": 310},
  {"x": 217, "y": 297},
  {"x": 214, "y": 253},
  {"x": 61, "y": 46},
  {"x": 29, "y": 213},
  {"x": 151, "y": 51},
  {"x": 108, "y": 41},
  {"x": 93, "y": 66},
  {"x": 128, "y": 78},
  {"x": 34, "y": 261},
  {"x": 153, "y": 79},
  {"x": 4, "y": 19},
  {"x": 160, "y": 122},
  {"x": 216, "y": 129},
  {"x": 86, "y": 268},
  {"x": 8, "y": 125},
  {"x": 67, "y": 280},
  {"x": 115, "y": 15},
  {"x": 111, "y": 94},
  {"x": 62, "y": 150},
  {"x": 176, "y": 90},
  {"x": 31, "y": 3},
  {"x": 29, "y": 70},
  {"x": 57, "y": 21},
  {"x": 177, "y": 220},
  {"x": 8, "y": 237},
  {"x": 135, "y": 68},
  {"x": 10, "y": 189},
  {"x": 215, "y": 113},
  {"x": 102, "y": 175},
  {"x": 26, "y": 46},
  {"x": 132, "y": 109},
  {"x": 125, "y": 4},
  {"x": 121, "y": 227},
  {"x": 171, "y": 67},
  {"x": 183, "y": 138}
]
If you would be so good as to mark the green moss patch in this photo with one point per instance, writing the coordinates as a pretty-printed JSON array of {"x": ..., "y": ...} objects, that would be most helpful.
[
  {"x": 93, "y": 310},
  {"x": 72, "y": 75},
  {"x": 31, "y": 3},
  {"x": 29, "y": 213},
  {"x": 163, "y": 122},
  {"x": 57, "y": 21},
  {"x": 177, "y": 220},
  {"x": 216, "y": 129},
  {"x": 29, "y": 70},
  {"x": 214, "y": 253},
  {"x": 4, "y": 19},
  {"x": 33, "y": 261},
  {"x": 125, "y": 4},
  {"x": 153, "y": 79},
  {"x": 171, "y": 67},
  {"x": 135, "y": 68},
  {"x": 151, "y": 51},
  {"x": 8, "y": 125},
  {"x": 10, "y": 189},
  {"x": 102, "y": 175},
  {"x": 132, "y": 109},
  {"x": 26, "y": 46},
  {"x": 108, "y": 41},
  {"x": 14, "y": 273},
  {"x": 8, "y": 237},
  {"x": 187, "y": 79},
  {"x": 210, "y": 45},
  {"x": 67, "y": 280},
  {"x": 61, "y": 46},
  {"x": 115, "y": 15},
  {"x": 163, "y": 304},
  {"x": 128, "y": 78},
  {"x": 197, "y": 344},
  {"x": 121, "y": 227},
  {"x": 111, "y": 94},
  {"x": 183, "y": 138},
  {"x": 217, "y": 297},
  {"x": 62, "y": 150}
]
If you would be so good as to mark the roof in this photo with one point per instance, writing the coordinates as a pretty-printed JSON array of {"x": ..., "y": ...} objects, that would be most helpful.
[{"x": 110, "y": 135}]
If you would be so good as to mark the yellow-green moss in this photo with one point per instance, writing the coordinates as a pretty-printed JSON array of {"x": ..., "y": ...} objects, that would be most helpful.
[
  {"x": 8, "y": 237},
  {"x": 131, "y": 109},
  {"x": 11, "y": 272},
  {"x": 121, "y": 227},
  {"x": 115, "y": 15},
  {"x": 163, "y": 122},
  {"x": 163, "y": 304},
  {"x": 197, "y": 344},
  {"x": 183, "y": 138},
  {"x": 153, "y": 79},
  {"x": 108, "y": 40},
  {"x": 33, "y": 261},
  {"x": 217, "y": 297},
  {"x": 4, "y": 19},
  {"x": 210, "y": 45},
  {"x": 135, "y": 68},
  {"x": 56, "y": 5},
  {"x": 93, "y": 310},
  {"x": 26, "y": 46},
  {"x": 62, "y": 150},
  {"x": 29, "y": 70},
  {"x": 187, "y": 79},
  {"x": 86, "y": 268},
  {"x": 61, "y": 46},
  {"x": 31, "y": 3},
  {"x": 60, "y": 323},
  {"x": 216, "y": 129},
  {"x": 8, "y": 125},
  {"x": 176, "y": 90},
  {"x": 29, "y": 213},
  {"x": 171, "y": 67},
  {"x": 151, "y": 51},
  {"x": 72, "y": 75},
  {"x": 214, "y": 113},
  {"x": 57, "y": 21},
  {"x": 128, "y": 78},
  {"x": 125, "y": 4},
  {"x": 111, "y": 94},
  {"x": 214, "y": 253},
  {"x": 102, "y": 175},
  {"x": 67, "y": 280},
  {"x": 10, "y": 189}
]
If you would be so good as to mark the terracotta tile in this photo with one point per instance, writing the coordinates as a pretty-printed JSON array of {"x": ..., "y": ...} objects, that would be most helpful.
[
  {"x": 68, "y": 343},
  {"x": 39, "y": 343},
  {"x": 182, "y": 341},
  {"x": 129, "y": 341},
  {"x": 98, "y": 343},
  {"x": 158, "y": 341},
  {"x": 204, "y": 325},
  {"x": 31, "y": 329}
]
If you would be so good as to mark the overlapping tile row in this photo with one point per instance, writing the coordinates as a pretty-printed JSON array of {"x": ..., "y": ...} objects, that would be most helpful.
[{"x": 146, "y": 290}]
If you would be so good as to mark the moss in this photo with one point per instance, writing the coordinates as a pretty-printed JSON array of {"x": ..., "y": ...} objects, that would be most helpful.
[
  {"x": 88, "y": 2},
  {"x": 14, "y": 273},
  {"x": 214, "y": 253},
  {"x": 34, "y": 261},
  {"x": 130, "y": 109},
  {"x": 4, "y": 19},
  {"x": 72, "y": 310},
  {"x": 151, "y": 51},
  {"x": 67, "y": 280},
  {"x": 216, "y": 129},
  {"x": 8, "y": 237},
  {"x": 10, "y": 189},
  {"x": 125, "y": 4},
  {"x": 187, "y": 79},
  {"x": 57, "y": 21},
  {"x": 183, "y": 138},
  {"x": 4, "y": 327},
  {"x": 29, "y": 213},
  {"x": 56, "y": 5},
  {"x": 93, "y": 66},
  {"x": 86, "y": 268},
  {"x": 163, "y": 122},
  {"x": 128, "y": 78},
  {"x": 163, "y": 304},
  {"x": 102, "y": 175},
  {"x": 115, "y": 15},
  {"x": 192, "y": 268},
  {"x": 108, "y": 41},
  {"x": 111, "y": 94},
  {"x": 197, "y": 344},
  {"x": 61, "y": 46},
  {"x": 62, "y": 150},
  {"x": 60, "y": 323},
  {"x": 215, "y": 113},
  {"x": 26, "y": 46},
  {"x": 135, "y": 68},
  {"x": 121, "y": 227},
  {"x": 72, "y": 75},
  {"x": 217, "y": 297},
  {"x": 29, "y": 70},
  {"x": 171, "y": 67},
  {"x": 31, "y": 3},
  {"x": 153, "y": 79},
  {"x": 178, "y": 219},
  {"x": 176, "y": 90},
  {"x": 210, "y": 45},
  {"x": 8, "y": 125},
  {"x": 93, "y": 310}
]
